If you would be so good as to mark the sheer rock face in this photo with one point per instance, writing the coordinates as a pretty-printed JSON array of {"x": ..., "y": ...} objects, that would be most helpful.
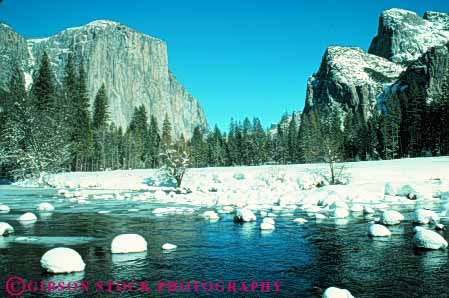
[
  {"x": 132, "y": 65},
  {"x": 408, "y": 51},
  {"x": 350, "y": 78},
  {"x": 403, "y": 36},
  {"x": 427, "y": 75}
]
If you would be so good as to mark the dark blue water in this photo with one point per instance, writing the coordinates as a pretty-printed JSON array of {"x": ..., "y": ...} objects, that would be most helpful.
[{"x": 300, "y": 257}]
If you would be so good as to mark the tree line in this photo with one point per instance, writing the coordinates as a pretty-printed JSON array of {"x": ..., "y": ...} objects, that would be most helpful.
[{"x": 51, "y": 127}]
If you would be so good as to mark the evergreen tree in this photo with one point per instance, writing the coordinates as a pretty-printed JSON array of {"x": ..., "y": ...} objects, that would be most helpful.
[
  {"x": 154, "y": 143},
  {"x": 198, "y": 149},
  {"x": 43, "y": 90},
  {"x": 292, "y": 141},
  {"x": 82, "y": 130},
  {"x": 166, "y": 132},
  {"x": 100, "y": 128}
]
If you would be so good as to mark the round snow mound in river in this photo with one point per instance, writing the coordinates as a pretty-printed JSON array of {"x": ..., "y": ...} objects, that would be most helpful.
[
  {"x": 28, "y": 217},
  {"x": 424, "y": 216},
  {"x": 128, "y": 243},
  {"x": 4, "y": 209},
  {"x": 337, "y": 293},
  {"x": 391, "y": 217},
  {"x": 5, "y": 229},
  {"x": 340, "y": 212},
  {"x": 211, "y": 215},
  {"x": 62, "y": 260},
  {"x": 266, "y": 226},
  {"x": 168, "y": 246},
  {"x": 269, "y": 220},
  {"x": 244, "y": 215},
  {"x": 45, "y": 207},
  {"x": 428, "y": 239},
  {"x": 376, "y": 230}
]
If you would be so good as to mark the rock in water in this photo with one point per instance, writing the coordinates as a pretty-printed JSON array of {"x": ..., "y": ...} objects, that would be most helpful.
[
  {"x": 28, "y": 217},
  {"x": 211, "y": 215},
  {"x": 138, "y": 70},
  {"x": 169, "y": 246},
  {"x": 333, "y": 292},
  {"x": 267, "y": 226},
  {"x": 340, "y": 213},
  {"x": 62, "y": 260},
  {"x": 376, "y": 230},
  {"x": 5, "y": 229},
  {"x": 428, "y": 239},
  {"x": 45, "y": 207},
  {"x": 4, "y": 209},
  {"x": 128, "y": 243},
  {"x": 424, "y": 216},
  {"x": 391, "y": 217},
  {"x": 269, "y": 220},
  {"x": 244, "y": 215}
]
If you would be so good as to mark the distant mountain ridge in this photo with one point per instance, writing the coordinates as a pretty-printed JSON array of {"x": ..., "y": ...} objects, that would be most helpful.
[
  {"x": 132, "y": 65},
  {"x": 352, "y": 79}
]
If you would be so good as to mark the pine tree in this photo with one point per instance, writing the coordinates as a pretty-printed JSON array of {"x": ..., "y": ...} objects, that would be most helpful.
[
  {"x": 43, "y": 90},
  {"x": 166, "y": 132},
  {"x": 292, "y": 135},
  {"x": 198, "y": 149},
  {"x": 100, "y": 128},
  {"x": 81, "y": 139},
  {"x": 100, "y": 113},
  {"x": 154, "y": 143}
]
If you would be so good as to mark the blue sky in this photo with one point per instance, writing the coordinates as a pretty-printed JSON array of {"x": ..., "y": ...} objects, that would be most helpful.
[{"x": 238, "y": 57}]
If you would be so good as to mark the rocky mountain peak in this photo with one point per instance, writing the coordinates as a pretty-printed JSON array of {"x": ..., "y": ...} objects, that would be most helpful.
[
  {"x": 132, "y": 65},
  {"x": 403, "y": 36}
]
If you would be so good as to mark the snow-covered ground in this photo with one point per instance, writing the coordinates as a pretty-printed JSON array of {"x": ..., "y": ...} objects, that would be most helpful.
[{"x": 374, "y": 183}]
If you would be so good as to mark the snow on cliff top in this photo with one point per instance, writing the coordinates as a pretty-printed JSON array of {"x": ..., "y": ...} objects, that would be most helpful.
[
  {"x": 353, "y": 66},
  {"x": 414, "y": 35}
]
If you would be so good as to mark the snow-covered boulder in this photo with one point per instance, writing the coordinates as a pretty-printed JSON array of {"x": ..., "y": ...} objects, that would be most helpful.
[
  {"x": 428, "y": 239},
  {"x": 391, "y": 217},
  {"x": 320, "y": 216},
  {"x": 263, "y": 213},
  {"x": 128, "y": 243},
  {"x": 211, "y": 215},
  {"x": 45, "y": 207},
  {"x": 266, "y": 226},
  {"x": 228, "y": 209},
  {"x": 368, "y": 210},
  {"x": 244, "y": 215},
  {"x": 4, "y": 208},
  {"x": 357, "y": 208},
  {"x": 5, "y": 229},
  {"x": 340, "y": 212},
  {"x": 62, "y": 260},
  {"x": 269, "y": 221},
  {"x": 169, "y": 246},
  {"x": 389, "y": 189},
  {"x": 424, "y": 216},
  {"x": 408, "y": 191},
  {"x": 376, "y": 230},
  {"x": 338, "y": 204},
  {"x": 300, "y": 220},
  {"x": 63, "y": 192},
  {"x": 333, "y": 292},
  {"x": 440, "y": 227},
  {"x": 28, "y": 217},
  {"x": 160, "y": 195}
]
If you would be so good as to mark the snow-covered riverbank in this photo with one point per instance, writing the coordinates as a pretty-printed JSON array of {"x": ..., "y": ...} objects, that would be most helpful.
[{"x": 265, "y": 186}]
